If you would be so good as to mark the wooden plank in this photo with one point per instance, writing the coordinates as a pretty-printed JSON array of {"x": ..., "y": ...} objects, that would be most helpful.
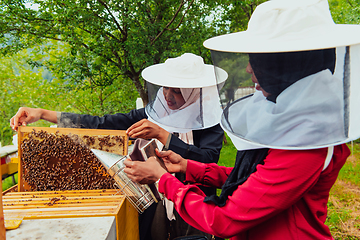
[
  {"x": 4, "y": 171},
  {"x": 20, "y": 174},
  {"x": 127, "y": 221},
  {"x": 53, "y": 215},
  {"x": 89, "y": 196},
  {"x": 63, "y": 198},
  {"x": 52, "y": 202},
  {"x": 9, "y": 190},
  {"x": 2, "y": 222},
  {"x": 45, "y": 196},
  {"x": 76, "y": 131},
  {"x": 104, "y": 191}
]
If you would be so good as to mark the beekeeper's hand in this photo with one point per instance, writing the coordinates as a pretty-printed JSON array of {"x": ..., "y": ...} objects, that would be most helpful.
[
  {"x": 147, "y": 130},
  {"x": 144, "y": 172},
  {"x": 26, "y": 115},
  {"x": 173, "y": 162}
]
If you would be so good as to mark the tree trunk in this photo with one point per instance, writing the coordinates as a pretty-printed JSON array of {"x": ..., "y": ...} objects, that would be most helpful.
[{"x": 141, "y": 89}]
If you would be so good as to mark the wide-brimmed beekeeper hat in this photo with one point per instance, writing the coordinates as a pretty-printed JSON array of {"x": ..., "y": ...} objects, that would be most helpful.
[
  {"x": 288, "y": 25},
  {"x": 198, "y": 87},
  {"x": 316, "y": 110},
  {"x": 186, "y": 71}
]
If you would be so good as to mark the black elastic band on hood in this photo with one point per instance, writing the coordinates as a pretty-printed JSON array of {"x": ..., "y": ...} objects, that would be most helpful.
[{"x": 277, "y": 71}]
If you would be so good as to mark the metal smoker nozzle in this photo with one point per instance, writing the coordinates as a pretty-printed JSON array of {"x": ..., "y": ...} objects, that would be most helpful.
[
  {"x": 107, "y": 159},
  {"x": 139, "y": 195}
]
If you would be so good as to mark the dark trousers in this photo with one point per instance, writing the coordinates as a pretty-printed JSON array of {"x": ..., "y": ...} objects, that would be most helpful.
[
  {"x": 145, "y": 220},
  {"x": 164, "y": 229}
]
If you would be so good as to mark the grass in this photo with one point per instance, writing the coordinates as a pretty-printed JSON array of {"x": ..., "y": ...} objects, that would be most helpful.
[
  {"x": 344, "y": 202},
  {"x": 227, "y": 154},
  {"x": 8, "y": 182}
]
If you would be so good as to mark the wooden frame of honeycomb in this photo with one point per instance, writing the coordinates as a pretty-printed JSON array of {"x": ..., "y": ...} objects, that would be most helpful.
[{"x": 53, "y": 159}]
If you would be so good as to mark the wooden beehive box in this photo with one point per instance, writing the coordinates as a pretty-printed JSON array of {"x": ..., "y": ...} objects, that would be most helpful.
[
  {"x": 70, "y": 204},
  {"x": 54, "y": 159}
]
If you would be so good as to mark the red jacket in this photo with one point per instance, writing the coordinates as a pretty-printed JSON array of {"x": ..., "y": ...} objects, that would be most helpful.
[{"x": 286, "y": 198}]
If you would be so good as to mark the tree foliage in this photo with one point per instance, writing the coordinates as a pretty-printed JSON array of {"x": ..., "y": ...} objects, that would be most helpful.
[
  {"x": 88, "y": 97},
  {"x": 239, "y": 12},
  {"x": 18, "y": 86},
  {"x": 87, "y": 56},
  {"x": 345, "y": 11},
  {"x": 107, "y": 40},
  {"x": 24, "y": 85}
]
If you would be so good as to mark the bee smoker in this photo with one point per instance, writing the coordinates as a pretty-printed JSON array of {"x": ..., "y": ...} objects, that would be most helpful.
[{"x": 141, "y": 196}]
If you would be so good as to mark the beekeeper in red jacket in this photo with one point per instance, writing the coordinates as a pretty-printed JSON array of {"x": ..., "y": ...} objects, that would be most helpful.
[{"x": 290, "y": 134}]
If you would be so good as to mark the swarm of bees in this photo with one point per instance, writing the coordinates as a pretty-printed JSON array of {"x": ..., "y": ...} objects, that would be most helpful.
[{"x": 53, "y": 162}]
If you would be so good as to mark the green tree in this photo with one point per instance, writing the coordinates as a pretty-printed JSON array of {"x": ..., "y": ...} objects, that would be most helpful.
[
  {"x": 18, "y": 86},
  {"x": 87, "y": 56},
  {"x": 88, "y": 97},
  {"x": 107, "y": 40},
  {"x": 238, "y": 13},
  {"x": 345, "y": 11},
  {"x": 25, "y": 85}
]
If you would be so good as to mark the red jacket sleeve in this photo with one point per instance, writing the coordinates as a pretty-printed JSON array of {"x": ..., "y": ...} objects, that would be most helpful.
[
  {"x": 211, "y": 175},
  {"x": 278, "y": 184}
]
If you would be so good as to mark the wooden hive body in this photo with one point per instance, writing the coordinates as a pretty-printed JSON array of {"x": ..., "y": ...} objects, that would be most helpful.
[
  {"x": 69, "y": 204},
  {"x": 60, "y": 202}
]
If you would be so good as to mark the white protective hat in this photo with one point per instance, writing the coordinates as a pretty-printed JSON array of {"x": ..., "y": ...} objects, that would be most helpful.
[
  {"x": 198, "y": 87},
  {"x": 186, "y": 71},
  {"x": 286, "y": 26},
  {"x": 317, "y": 110}
]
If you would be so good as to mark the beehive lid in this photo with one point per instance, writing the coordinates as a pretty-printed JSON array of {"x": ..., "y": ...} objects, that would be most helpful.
[
  {"x": 100, "y": 228},
  {"x": 6, "y": 150}
]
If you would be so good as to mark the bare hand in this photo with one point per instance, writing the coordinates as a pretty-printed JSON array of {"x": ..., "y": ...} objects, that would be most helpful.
[
  {"x": 25, "y": 116},
  {"x": 173, "y": 162},
  {"x": 147, "y": 130},
  {"x": 144, "y": 172}
]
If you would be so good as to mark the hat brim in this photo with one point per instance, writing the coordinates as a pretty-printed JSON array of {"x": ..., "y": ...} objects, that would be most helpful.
[
  {"x": 331, "y": 36},
  {"x": 157, "y": 74}
]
